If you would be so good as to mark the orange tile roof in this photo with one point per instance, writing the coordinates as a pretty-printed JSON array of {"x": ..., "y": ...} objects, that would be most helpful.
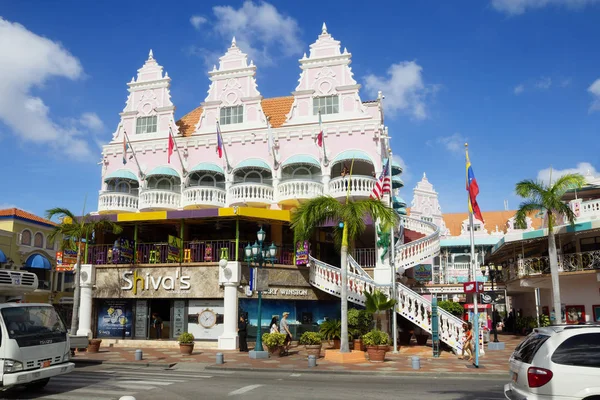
[
  {"x": 15, "y": 212},
  {"x": 275, "y": 108},
  {"x": 492, "y": 218}
]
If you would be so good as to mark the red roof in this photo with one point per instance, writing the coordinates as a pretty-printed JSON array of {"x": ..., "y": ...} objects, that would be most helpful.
[{"x": 15, "y": 212}]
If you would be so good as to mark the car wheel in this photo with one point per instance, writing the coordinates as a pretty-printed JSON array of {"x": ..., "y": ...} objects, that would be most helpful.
[{"x": 38, "y": 385}]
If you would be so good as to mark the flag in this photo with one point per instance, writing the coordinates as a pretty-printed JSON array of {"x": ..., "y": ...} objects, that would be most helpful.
[
  {"x": 171, "y": 147},
  {"x": 219, "y": 148},
  {"x": 125, "y": 149},
  {"x": 319, "y": 138},
  {"x": 473, "y": 190},
  {"x": 382, "y": 185}
]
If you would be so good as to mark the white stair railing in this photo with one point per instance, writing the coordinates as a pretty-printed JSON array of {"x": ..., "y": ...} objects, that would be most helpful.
[{"x": 410, "y": 254}]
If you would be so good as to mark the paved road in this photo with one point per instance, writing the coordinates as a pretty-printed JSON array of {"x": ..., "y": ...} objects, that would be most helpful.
[{"x": 110, "y": 383}]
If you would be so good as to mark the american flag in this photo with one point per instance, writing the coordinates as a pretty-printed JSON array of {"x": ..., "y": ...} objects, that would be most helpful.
[{"x": 382, "y": 185}]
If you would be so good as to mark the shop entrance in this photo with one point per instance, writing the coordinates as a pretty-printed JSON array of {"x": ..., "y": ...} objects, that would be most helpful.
[{"x": 162, "y": 308}]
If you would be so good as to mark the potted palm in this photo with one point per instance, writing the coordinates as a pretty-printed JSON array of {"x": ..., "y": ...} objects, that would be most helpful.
[
  {"x": 273, "y": 343},
  {"x": 378, "y": 303},
  {"x": 332, "y": 331},
  {"x": 377, "y": 344},
  {"x": 359, "y": 322},
  {"x": 312, "y": 343},
  {"x": 186, "y": 343}
]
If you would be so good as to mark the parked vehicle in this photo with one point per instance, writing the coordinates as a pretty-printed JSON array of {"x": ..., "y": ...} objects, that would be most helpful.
[{"x": 556, "y": 362}]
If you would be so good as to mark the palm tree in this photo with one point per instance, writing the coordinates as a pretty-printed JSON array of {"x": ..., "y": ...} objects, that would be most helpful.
[
  {"x": 321, "y": 210},
  {"x": 376, "y": 303},
  {"x": 548, "y": 197},
  {"x": 73, "y": 230}
]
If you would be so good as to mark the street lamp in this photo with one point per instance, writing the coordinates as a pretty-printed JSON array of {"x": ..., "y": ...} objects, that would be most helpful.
[
  {"x": 495, "y": 273},
  {"x": 260, "y": 255}
]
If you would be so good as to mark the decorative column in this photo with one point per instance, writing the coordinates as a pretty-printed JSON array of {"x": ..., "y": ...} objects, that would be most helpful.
[
  {"x": 87, "y": 275},
  {"x": 229, "y": 278}
]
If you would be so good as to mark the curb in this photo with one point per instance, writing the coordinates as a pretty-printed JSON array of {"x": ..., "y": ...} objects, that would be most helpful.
[
  {"x": 127, "y": 363},
  {"x": 362, "y": 372}
]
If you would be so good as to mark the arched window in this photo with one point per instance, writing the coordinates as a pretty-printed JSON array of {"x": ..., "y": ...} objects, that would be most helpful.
[
  {"x": 26, "y": 238},
  {"x": 253, "y": 177},
  {"x": 49, "y": 244},
  {"x": 122, "y": 187},
  {"x": 38, "y": 240},
  {"x": 301, "y": 173},
  {"x": 164, "y": 184}
]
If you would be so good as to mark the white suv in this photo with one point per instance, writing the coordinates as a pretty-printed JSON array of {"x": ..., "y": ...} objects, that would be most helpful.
[{"x": 557, "y": 362}]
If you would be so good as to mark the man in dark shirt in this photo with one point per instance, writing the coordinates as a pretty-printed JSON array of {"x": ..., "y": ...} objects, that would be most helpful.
[{"x": 243, "y": 334}]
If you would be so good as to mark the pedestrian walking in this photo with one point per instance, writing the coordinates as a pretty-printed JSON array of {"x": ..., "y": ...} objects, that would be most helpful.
[
  {"x": 468, "y": 343},
  {"x": 274, "y": 328},
  {"x": 243, "y": 334},
  {"x": 284, "y": 328}
]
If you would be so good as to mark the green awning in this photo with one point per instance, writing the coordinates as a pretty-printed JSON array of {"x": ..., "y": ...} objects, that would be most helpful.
[
  {"x": 397, "y": 183},
  {"x": 253, "y": 163},
  {"x": 121, "y": 174},
  {"x": 208, "y": 167},
  {"x": 398, "y": 202},
  {"x": 401, "y": 210},
  {"x": 396, "y": 168},
  {"x": 350, "y": 155},
  {"x": 163, "y": 171},
  {"x": 302, "y": 159}
]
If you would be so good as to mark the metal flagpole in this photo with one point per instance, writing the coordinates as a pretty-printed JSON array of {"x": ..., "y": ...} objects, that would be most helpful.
[
  {"x": 223, "y": 143},
  {"x": 177, "y": 148},
  {"x": 271, "y": 142},
  {"x": 393, "y": 264},
  {"x": 473, "y": 270},
  {"x": 325, "y": 161},
  {"x": 142, "y": 175}
]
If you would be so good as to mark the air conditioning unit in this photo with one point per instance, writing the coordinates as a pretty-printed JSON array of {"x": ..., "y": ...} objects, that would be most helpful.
[{"x": 87, "y": 275}]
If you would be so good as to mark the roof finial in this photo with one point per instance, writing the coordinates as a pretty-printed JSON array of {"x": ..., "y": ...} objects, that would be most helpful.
[
  {"x": 424, "y": 175},
  {"x": 150, "y": 55},
  {"x": 324, "y": 29},
  {"x": 379, "y": 95},
  {"x": 233, "y": 42}
]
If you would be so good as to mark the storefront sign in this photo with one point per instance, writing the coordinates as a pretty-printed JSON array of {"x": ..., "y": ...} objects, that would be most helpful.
[
  {"x": 178, "y": 316},
  {"x": 115, "y": 318},
  {"x": 66, "y": 259},
  {"x": 473, "y": 287},
  {"x": 141, "y": 318},
  {"x": 302, "y": 252},
  {"x": 286, "y": 292},
  {"x": 422, "y": 273},
  {"x": 136, "y": 282},
  {"x": 175, "y": 244},
  {"x": 123, "y": 251},
  {"x": 493, "y": 297}
]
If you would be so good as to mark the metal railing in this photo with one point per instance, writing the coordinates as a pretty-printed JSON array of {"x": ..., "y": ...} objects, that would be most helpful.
[
  {"x": 367, "y": 258},
  {"x": 532, "y": 266}
]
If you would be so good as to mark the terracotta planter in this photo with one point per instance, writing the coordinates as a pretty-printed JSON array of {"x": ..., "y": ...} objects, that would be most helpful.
[
  {"x": 422, "y": 339},
  {"x": 186, "y": 348},
  {"x": 358, "y": 345},
  {"x": 404, "y": 338},
  {"x": 377, "y": 353},
  {"x": 275, "y": 351},
  {"x": 337, "y": 343},
  {"x": 313, "y": 350},
  {"x": 94, "y": 345}
]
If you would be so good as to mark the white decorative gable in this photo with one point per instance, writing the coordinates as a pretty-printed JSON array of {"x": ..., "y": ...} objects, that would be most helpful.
[
  {"x": 149, "y": 96},
  {"x": 326, "y": 72},
  {"x": 232, "y": 84},
  {"x": 425, "y": 205},
  {"x": 511, "y": 223},
  {"x": 478, "y": 228}
]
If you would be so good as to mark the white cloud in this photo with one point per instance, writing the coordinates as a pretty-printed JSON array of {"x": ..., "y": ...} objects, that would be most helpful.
[
  {"x": 197, "y": 21},
  {"x": 543, "y": 83},
  {"x": 91, "y": 121},
  {"x": 453, "y": 144},
  {"x": 403, "y": 88},
  {"x": 28, "y": 62},
  {"x": 406, "y": 175},
  {"x": 583, "y": 168},
  {"x": 518, "y": 7},
  {"x": 519, "y": 89},
  {"x": 260, "y": 30},
  {"x": 566, "y": 82},
  {"x": 594, "y": 89}
]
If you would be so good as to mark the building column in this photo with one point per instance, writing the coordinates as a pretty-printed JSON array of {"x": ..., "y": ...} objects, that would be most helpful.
[
  {"x": 229, "y": 277},
  {"x": 86, "y": 283}
]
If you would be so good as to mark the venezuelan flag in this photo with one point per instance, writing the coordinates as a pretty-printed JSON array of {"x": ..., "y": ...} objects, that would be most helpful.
[{"x": 473, "y": 189}]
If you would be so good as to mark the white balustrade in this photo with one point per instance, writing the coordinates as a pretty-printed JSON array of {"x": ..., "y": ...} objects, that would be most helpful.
[
  {"x": 250, "y": 193},
  {"x": 298, "y": 189},
  {"x": 160, "y": 199},
  {"x": 410, "y": 254},
  {"x": 360, "y": 186},
  {"x": 203, "y": 196},
  {"x": 590, "y": 208},
  {"x": 117, "y": 201}
]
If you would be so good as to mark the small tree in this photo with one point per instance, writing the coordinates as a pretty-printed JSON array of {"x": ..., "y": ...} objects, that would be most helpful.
[
  {"x": 453, "y": 308},
  {"x": 377, "y": 303}
]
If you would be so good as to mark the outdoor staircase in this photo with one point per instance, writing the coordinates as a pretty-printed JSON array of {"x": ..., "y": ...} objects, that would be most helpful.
[{"x": 409, "y": 304}]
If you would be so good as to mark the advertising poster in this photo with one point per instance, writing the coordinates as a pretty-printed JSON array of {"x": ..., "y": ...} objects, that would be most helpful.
[
  {"x": 175, "y": 245},
  {"x": 66, "y": 259},
  {"x": 423, "y": 273},
  {"x": 115, "y": 319},
  {"x": 302, "y": 252},
  {"x": 123, "y": 251},
  {"x": 179, "y": 317}
]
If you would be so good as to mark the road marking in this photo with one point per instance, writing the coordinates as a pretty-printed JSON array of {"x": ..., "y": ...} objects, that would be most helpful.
[
  {"x": 296, "y": 375},
  {"x": 244, "y": 390}
]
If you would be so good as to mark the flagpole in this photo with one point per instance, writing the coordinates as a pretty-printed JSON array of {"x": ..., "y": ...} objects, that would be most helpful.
[
  {"x": 271, "y": 141},
  {"x": 179, "y": 154},
  {"x": 142, "y": 175},
  {"x": 392, "y": 262},
  {"x": 473, "y": 268},
  {"x": 223, "y": 142},
  {"x": 325, "y": 161}
]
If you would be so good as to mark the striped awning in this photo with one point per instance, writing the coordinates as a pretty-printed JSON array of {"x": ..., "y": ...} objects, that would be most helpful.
[
  {"x": 207, "y": 167},
  {"x": 302, "y": 159},
  {"x": 253, "y": 163},
  {"x": 397, "y": 183},
  {"x": 121, "y": 174},
  {"x": 38, "y": 261},
  {"x": 398, "y": 202},
  {"x": 396, "y": 168},
  {"x": 167, "y": 171},
  {"x": 349, "y": 155},
  {"x": 3, "y": 258}
]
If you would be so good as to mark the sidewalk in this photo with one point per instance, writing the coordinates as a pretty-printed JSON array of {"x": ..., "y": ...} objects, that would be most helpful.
[{"x": 492, "y": 363}]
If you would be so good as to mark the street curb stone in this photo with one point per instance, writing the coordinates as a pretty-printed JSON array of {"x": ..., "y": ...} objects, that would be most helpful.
[{"x": 127, "y": 363}]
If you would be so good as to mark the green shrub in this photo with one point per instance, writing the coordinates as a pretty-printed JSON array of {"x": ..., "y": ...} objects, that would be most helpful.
[
  {"x": 185, "y": 338},
  {"x": 453, "y": 308},
  {"x": 273, "y": 340},
  {"x": 331, "y": 329},
  {"x": 310, "y": 338},
  {"x": 544, "y": 320},
  {"x": 359, "y": 322},
  {"x": 376, "y": 338}
]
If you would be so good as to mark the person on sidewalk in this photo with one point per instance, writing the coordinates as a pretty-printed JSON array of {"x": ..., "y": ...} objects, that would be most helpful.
[
  {"x": 243, "y": 334},
  {"x": 273, "y": 325},
  {"x": 157, "y": 324},
  {"x": 468, "y": 344},
  {"x": 284, "y": 328}
]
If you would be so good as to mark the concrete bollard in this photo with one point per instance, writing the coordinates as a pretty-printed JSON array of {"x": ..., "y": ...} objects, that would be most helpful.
[
  {"x": 416, "y": 362},
  {"x": 126, "y": 398},
  {"x": 138, "y": 355},
  {"x": 312, "y": 361},
  {"x": 220, "y": 358}
]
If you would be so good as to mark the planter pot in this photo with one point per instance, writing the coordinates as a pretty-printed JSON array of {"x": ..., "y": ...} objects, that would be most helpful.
[
  {"x": 275, "y": 351},
  {"x": 358, "y": 345},
  {"x": 422, "y": 339},
  {"x": 404, "y": 338},
  {"x": 377, "y": 353},
  {"x": 313, "y": 350},
  {"x": 186, "y": 348},
  {"x": 94, "y": 345},
  {"x": 336, "y": 343}
]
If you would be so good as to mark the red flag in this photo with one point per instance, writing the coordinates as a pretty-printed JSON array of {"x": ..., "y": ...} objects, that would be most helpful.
[
  {"x": 319, "y": 138},
  {"x": 171, "y": 147},
  {"x": 382, "y": 185},
  {"x": 219, "y": 148},
  {"x": 473, "y": 189}
]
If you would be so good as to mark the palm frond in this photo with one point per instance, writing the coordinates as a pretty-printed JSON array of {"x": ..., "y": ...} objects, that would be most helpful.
[
  {"x": 529, "y": 189},
  {"x": 567, "y": 182},
  {"x": 525, "y": 208},
  {"x": 314, "y": 213},
  {"x": 564, "y": 210}
]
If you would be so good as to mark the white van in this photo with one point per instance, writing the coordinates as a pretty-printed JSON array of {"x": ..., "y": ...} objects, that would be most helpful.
[{"x": 34, "y": 344}]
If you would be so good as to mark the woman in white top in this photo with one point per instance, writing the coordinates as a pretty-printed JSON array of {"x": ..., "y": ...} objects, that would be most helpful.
[{"x": 274, "y": 328}]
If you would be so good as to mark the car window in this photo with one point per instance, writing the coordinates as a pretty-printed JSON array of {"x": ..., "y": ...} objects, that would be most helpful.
[
  {"x": 527, "y": 349},
  {"x": 581, "y": 350}
]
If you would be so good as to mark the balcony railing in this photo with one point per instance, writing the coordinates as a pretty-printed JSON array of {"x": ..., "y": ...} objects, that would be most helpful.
[
  {"x": 590, "y": 208},
  {"x": 298, "y": 189},
  {"x": 118, "y": 201},
  {"x": 250, "y": 193},
  {"x": 203, "y": 196},
  {"x": 366, "y": 258},
  {"x": 524, "y": 267},
  {"x": 161, "y": 199},
  {"x": 359, "y": 186}
]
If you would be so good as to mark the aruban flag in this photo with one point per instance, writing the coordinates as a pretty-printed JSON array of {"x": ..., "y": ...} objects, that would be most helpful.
[
  {"x": 219, "y": 142},
  {"x": 319, "y": 138},
  {"x": 125, "y": 147},
  {"x": 382, "y": 185},
  {"x": 171, "y": 147},
  {"x": 473, "y": 189}
]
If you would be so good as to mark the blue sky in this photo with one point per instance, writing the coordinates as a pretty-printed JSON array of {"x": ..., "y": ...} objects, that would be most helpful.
[{"x": 517, "y": 79}]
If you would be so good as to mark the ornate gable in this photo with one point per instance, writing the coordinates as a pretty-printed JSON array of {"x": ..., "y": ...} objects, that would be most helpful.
[{"x": 426, "y": 206}]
